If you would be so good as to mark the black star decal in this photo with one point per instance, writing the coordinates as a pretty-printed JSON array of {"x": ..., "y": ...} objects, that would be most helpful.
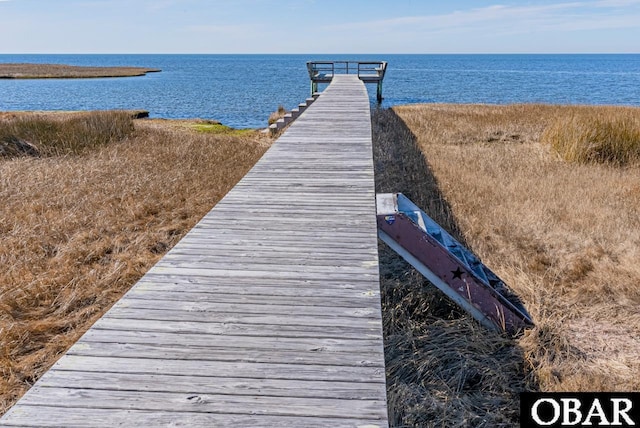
[{"x": 457, "y": 273}]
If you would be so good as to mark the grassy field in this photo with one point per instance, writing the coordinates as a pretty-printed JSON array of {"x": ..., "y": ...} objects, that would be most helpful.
[
  {"x": 61, "y": 71},
  {"x": 549, "y": 197},
  {"x": 90, "y": 202}
]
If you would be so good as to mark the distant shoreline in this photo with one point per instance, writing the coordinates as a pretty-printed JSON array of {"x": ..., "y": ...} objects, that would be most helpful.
[
  {"x": 220, "y": 86},
  {"x": 62, "y": 71}
]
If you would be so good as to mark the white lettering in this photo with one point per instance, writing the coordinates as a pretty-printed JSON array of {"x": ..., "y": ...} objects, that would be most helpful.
[
  {"x": 617, "y": 411},
  {"x": 556, "y": 411},
  {"x": 596, "y": 411},
  {"x": 570, "y": 408}
]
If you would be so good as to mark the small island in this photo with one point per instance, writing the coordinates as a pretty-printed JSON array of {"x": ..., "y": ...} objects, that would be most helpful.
[{"x": 61, "y": 71}]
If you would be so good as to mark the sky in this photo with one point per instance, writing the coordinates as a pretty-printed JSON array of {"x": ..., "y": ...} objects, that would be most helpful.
[{"x": 319, "y": 26}]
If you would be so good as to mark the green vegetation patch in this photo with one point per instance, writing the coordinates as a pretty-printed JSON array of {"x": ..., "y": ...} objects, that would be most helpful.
[{"x": 218, "y": 128}]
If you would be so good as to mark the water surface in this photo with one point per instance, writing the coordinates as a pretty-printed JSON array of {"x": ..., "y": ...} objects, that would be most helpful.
[{"x": 242, "y": 90}]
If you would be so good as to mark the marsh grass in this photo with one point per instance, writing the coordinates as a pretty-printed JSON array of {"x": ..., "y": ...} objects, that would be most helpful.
[
  {"x": 279, "y": 113},
  {"x": 78, "y": 229},
  {"x": 443, "y": 369},
  {"x": 69, "y": 134},
  {"x": 604, "y": 135},
  {"x": 565, "y": 236},
  {"x": 79, "y": 226},
  {"x": 62, "y": 71}
]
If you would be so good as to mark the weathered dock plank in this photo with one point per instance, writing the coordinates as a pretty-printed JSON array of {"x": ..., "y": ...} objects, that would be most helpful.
[
  {"x": 266, "y": 314},
  {"x": 108, "y": 418}
]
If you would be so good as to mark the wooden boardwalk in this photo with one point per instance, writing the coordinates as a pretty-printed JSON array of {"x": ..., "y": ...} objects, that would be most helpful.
[{"x": 267, "y": 314}]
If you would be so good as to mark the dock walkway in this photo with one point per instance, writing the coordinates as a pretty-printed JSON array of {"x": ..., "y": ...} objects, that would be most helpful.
[{"x": 267, "y": 313}]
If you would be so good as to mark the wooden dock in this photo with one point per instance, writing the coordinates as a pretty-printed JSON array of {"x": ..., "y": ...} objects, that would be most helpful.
[
  {"x": 267, "y": 314},
  {"x": 367, "y": 71}
]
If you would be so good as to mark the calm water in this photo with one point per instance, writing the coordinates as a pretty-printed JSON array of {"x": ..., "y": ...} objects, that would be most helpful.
[{"x": 242, "y": 90}]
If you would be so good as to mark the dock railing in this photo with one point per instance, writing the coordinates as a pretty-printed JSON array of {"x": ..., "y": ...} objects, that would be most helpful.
[{"x": 367, "y": 71}]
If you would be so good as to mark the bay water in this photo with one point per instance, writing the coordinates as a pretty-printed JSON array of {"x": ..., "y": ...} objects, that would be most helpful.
[{"x": 242, "y": 90}]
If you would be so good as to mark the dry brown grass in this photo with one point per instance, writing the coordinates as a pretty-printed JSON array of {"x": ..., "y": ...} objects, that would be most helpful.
[
  {"x": 61, "y": 71},
  {"x": 278, "y": 114},
  {"x": 603, "y": 135},
  {"x": 76, "y": 231},
  {"x": 62, "y": 134},
  {"x": 565, "y": 236}
]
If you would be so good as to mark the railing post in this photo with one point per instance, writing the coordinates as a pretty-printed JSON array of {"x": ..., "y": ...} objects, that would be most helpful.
[{"x": 367, "y": 71}]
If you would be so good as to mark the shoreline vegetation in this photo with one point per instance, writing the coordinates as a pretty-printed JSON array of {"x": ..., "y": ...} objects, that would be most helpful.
[
  {"x": 61, "y": 71},
  {"x": 549, "y": 197},
  {"x": 90, "y": 201},
  {"x": 546, "y": 195}
]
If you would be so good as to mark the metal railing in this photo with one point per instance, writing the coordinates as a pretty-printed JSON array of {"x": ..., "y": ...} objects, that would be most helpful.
[
  {"x": 364, "y": 69},
  {"x": 367, "y": 71}
]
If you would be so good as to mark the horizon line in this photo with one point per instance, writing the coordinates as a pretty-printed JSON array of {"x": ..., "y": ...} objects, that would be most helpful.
[{"x": 321, "y": 53}]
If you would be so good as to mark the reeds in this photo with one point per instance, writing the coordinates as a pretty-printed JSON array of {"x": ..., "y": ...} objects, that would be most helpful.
[
  {"x": 606, "y": 135},
  {"x": 82, "y": 224},
  {"x": 38, "y": 135},
  {"x": 443, "y": 369},
  {"x": 564, "y": 236},
  {"x": 279, "y": 113},
  {"x": 77, "y": 230}
]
